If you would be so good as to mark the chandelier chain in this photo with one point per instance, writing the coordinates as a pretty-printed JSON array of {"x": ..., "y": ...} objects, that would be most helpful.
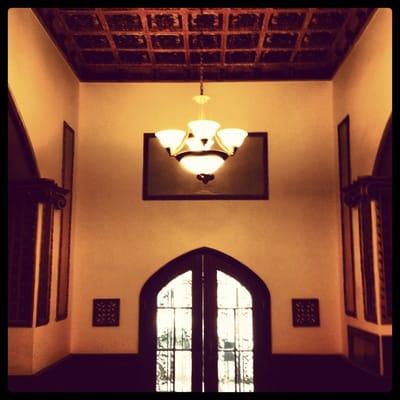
[{"x": 201, "y": 54}]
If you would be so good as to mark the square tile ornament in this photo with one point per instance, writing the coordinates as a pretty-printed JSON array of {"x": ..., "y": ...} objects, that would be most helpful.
[
  {"x": 305, "y": 312},
  {"x": 106, "y": 312}
]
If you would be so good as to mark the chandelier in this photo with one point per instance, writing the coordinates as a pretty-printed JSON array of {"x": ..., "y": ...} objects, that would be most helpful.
[{"x": 203, "y": 148}]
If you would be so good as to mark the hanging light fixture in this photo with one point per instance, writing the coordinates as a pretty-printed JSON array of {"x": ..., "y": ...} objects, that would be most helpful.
[{"x": 203, "y": 148}]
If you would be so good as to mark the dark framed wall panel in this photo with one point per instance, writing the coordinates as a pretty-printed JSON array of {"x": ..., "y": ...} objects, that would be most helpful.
[
  {"x": 385, "y": 258},
  {"x": 65, "y": 228},
  {"x": 360, "y": 195},
  {"x": 165, "y": 179},
  {"x": 387, "y": 350},
  {"x": 364, "y": 349},
  {"x": 346, "y": 218},
  {"x": 22, "y": 225},
  {"x": 45, "y": 268},
  {"x": 367, "y": 262},
  {"x": 22, "y": 221},
  {"x": 382, "y": 171}
]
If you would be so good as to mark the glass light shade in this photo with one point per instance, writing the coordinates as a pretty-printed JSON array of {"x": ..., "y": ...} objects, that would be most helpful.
[
  {"x": 170, "y": 138},
  {"x": 232, "y": 137},
  {"x": 202, "y": 164},
  {"x": 203, "y": 128},
  {"x": 194, "y": 144}
]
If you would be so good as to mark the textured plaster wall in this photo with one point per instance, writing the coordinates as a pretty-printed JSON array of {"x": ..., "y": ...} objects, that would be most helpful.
[
  {"x": 290, "y": 241},
  {"x": 362, "y": 88},
  {"x": 45, "y": 91}
]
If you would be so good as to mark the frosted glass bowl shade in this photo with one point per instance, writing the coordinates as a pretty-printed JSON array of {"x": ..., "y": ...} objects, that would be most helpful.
[
  {"x": 199, "y": 164},
  {"x": 232, "y": 137},
  {"x": 171, "y": 138},
  {"x": 203, "y": 128}
]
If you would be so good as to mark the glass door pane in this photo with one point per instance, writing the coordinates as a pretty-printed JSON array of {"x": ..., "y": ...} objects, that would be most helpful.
[
  {"x": 174, "y": 335},
  {"x": 235, "y": 335}
]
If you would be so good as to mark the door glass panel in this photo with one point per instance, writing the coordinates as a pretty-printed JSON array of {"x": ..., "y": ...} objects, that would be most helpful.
[
  {"x": 226, "y": 329},
  {"x": 174, "y": 335},
  {"x": 226, "y": 371},
  {"x": 183, "y": 371},
  {"x": 165, "y": 379},
  {"x": 244, "y": 328},
  {"x": 245, "y": 381},
  {"x": 183, "y": 328},
  {"x": 235, "y": 336},
  {"x": 165, "y": 326}
]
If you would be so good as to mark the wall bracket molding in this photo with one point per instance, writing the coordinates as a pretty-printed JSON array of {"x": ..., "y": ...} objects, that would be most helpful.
[
  {"x": 366, "y": 188},
  {"x": 40, "y": 191}
]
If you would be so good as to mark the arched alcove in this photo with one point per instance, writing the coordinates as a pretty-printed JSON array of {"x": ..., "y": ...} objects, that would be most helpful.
[
  {"x": 384, "y": 216},
  {"x": 21, "y": 158},
  {"x": 383, "y": 160},
  {"x": 211, "y": 276}
]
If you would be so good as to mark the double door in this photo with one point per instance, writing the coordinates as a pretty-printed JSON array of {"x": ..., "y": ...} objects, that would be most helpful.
[{"x": 208, "y": 333}]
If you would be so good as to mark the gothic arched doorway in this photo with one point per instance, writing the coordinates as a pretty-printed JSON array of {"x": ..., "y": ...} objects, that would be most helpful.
[{"x": 205, "y": 326}]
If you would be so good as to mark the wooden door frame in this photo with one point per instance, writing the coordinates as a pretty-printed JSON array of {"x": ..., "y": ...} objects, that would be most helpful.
[{"x": 192, "y": 261}]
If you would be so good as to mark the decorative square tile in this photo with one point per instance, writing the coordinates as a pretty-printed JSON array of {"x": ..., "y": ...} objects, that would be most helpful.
[
  {"x": 130, "y": 41},
  {"x": 124, "y": 22},
  {"x": 242, "y": 41},
  {"x": 246, "y": 21},
  {"x": 305, "y": 312},
  {"x": 204, "y": 41},
  {"x": 281, "y": 40},
  {"x": 91, "y": 41},
  {"x": 106, "y": 312},
  {"x": 167, "y": 41},
  {"x": 165, "y": 22}
]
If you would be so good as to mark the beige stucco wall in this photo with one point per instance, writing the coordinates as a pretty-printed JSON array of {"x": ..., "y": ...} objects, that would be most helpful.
[
  {"x": 290, "y": 241},
  {"x": 45, "y": 91},
  {"x": 362, "y": 88}
]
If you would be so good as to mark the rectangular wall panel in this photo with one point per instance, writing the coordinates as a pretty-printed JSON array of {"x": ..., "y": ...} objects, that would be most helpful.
[
  {"x": 65, "y": 235},
  {"x": 346, "y": 219}
]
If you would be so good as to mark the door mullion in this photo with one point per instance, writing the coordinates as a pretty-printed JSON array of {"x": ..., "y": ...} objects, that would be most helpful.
[
  {"x": 197, "y": 341},
  {"x": 210, "y": 324}
]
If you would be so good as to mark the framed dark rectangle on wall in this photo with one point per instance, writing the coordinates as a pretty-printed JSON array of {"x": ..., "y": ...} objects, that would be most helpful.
[
  {"x": 65, "y": 234},
  {"x": 364, "y": 349},
  {"x": 243, "y": 176},
  {"x": 346, "y": 217}
]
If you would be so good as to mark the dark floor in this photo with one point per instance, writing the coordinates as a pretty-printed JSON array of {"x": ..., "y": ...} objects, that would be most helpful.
[{"x": 121, "y": 373}]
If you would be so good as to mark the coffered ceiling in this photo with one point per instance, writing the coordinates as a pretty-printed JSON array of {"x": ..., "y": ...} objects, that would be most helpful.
[{"x": 236, "y": 44}]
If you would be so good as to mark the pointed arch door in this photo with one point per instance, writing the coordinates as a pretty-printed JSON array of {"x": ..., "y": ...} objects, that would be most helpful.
[{"x": 205, "y": 326}]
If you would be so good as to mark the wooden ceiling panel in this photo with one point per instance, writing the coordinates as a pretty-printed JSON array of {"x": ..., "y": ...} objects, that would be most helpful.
[{"x": 236, "y": 44}]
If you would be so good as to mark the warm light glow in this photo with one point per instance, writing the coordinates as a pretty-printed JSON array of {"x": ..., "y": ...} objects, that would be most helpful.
[
  {"x": 170, "y": 138},
  {"x": 195, "y": 150},
  {"x": 203, "y": 128},
  {"x": 195, "y": 144},
  {"x": 232, "y": 137},
  {"x": 202, "y": 164}
]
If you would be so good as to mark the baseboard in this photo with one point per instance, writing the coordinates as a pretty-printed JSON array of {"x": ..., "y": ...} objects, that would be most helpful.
[{"x": 122, "y": 373}]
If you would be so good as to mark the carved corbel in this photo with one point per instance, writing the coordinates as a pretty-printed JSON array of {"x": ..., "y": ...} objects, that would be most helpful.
[
  {"x": 366, "y": 188},
  {"x": 40, "y": 191}
]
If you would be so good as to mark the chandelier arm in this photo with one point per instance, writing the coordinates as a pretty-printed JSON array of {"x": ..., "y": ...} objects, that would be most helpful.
[{"x": 227, "y": 150}]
